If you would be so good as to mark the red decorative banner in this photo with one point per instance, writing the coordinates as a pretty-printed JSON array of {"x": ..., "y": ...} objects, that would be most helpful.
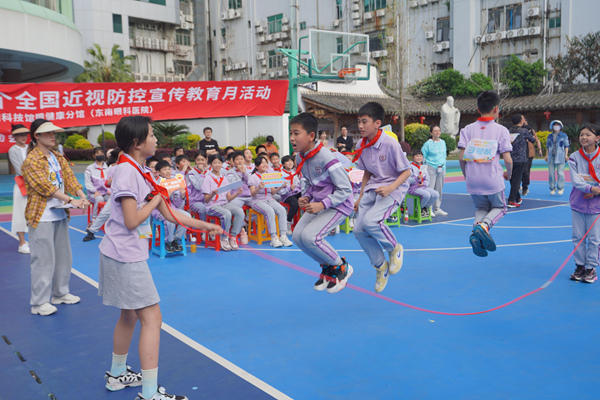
[{"x": 85, "y": 104}]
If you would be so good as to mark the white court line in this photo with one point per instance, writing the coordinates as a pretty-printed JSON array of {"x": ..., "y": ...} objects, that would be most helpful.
[
  {"x": 515, "y": 227},
  {"x": 265, "y": 387},
  {"x": 523, "y": 198}
]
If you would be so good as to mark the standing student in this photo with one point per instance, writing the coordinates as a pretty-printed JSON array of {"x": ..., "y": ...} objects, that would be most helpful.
[
  {"x": 419, "y": 181},
  {"x": 219, "y": 204},
  {"x": 125, "y": 281},
  {"x": 177, "y": 151},
  {"x": 195, "y": 179},
  {"x": 208, "y": 144},
  {"x": 383, "y": 188},
  {"x": 557, "y": 147},
  {"x": 519, "y": 155},
  {"x": 327, "y": 201},
  {"x": 434, "y": 152},
  {"x": 95, "y": 177},
  {"x": 238, "y": 172},
  {"x": 47, "y": 176},
  {"x": 584, "y": 166},
  {"x": 291, "y": 193},
  {"x": 17, "y": 155},
  {"x": 264, "y": 203},
  {"x": 527, "y": 172},
  {"x": 344, "y": 142},
  {"x": 269, "y": 146},
  {"x": 484, "y": 175}
]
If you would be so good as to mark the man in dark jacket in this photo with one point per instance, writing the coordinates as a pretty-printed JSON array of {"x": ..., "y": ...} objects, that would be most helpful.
[
  {"x": 520, "y": 155},
  {"x": 527, "y": 171}
]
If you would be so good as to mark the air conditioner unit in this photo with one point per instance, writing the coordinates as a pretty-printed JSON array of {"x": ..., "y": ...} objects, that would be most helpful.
[
  {"x": 178, "y": 78},
  {"x": 260, "y": 55},
  {"x": 355, "y": 15},
  {"x": 139, "y": 41},
  {"x": 356, "y": 22},
  {"x": 259, "y": 29},
  {"x": 276, "y": 35},
  {"x": 279, "y": 44},
  {"x": 522, "y": 32},
  {"x": 533, "y": 12},
  {"x": 284, "y": 62},
  {"x": 380, "y": 13},
  {"x": 437, "y": 48},
  {"x": 231, "y": 14},
  {"x": 512, "y": 34},
  {"x": 285, "y": 21},
  {"x": 184, "y": 25},
  {"x": 224, "y": 16},
  {"x": 147, "y": 43},
  {"x": 283, "y": 35},
  {"x": 243, "y": 65},
  {"x": 269, "y": 38},
  {"x": 534, "y": 31},
  {"x": 236, "y": 66},
  {"x": 413, "y": 4},
  {"x": 156, "y": 44},
  {"x": 445, "y": 45},
  {"x": 285, "y": 28},
  {"x": 190, "y": 26},
  {"x": 261, "y": 39},
  {"x": 375, "y": 54},
  {"x": 285, "y": 72},
  {"x": 137, "y": 77},
  {"x": 480, "y": 39},
  {"x": 164, "y": 45},
  {"x": 170, "y": 70},
  {"x": 149, "y": 26},
  {"x": 422, "y": 2},
  {"x": 389, "y": 39},
  {"x": 263, "y": 71},
  {"x": 145, "y": 77},
  {"x": 168, "y": 78},
  {"x": 153, "y": 78},
  {"x": 384, "y": 53},
  {"x": 140, "y": 25},
  {"x": 500, "y": 35},
  {"x": 237, "y": 14},
  {"x": 189, "y": 18},
  {"x": 161, "y": 78},
  {"x": 228, "y": 68},
  {"x": 223, "y": 46},
  {"x": 356, "y": 1},
  {"x": 489, "y": 37},
  {"x": 368, "y": 15},
  {"x": 429, "y": 35},
  {"x": 279, "y": 73},
  {"x": 263, "y": 63},
  {"x": 271, "y": 74},
  {"x": 355, "y": 7},
  {"x": 335, "y": 23},
  {"x": 258, "y": 22}
]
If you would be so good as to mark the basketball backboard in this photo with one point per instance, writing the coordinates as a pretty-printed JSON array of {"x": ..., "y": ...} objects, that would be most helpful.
[{"x": 330, "y": 52}]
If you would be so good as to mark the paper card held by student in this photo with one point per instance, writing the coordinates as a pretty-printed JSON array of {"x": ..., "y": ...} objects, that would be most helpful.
[
  {"x": 589, "y": 180},
  {"x": 229, "y": 187},
  {"x": 356, "y": 175},
  {"x": 173, "y": 184},
  {"x": 273, "y": 179},
  {"x": 481, "y": 151}
]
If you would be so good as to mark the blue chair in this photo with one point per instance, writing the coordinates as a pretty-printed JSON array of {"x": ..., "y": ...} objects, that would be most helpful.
[{"x": 159, "y": 249}]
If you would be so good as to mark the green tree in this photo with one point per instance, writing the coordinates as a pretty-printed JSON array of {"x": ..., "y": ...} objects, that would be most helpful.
[
  {"x": 166, "y": 132},
  {"x": 416, "y": 135},
  {"x": 113, "y": 68},
  {"x": 523, "y": 78},
  {"x": 452, "y": 81},
  {"x": 71, "y": 140},
  {"x": 261, "y": 139},
  {"x": 587, "y": 55},
  {"x": 107, "y": 136}
]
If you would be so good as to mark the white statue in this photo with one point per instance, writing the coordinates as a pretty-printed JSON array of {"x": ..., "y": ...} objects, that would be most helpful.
[{"x": 450, "y": 118}]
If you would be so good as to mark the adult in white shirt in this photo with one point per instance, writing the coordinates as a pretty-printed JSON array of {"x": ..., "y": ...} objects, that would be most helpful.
[{"x": 95, "y": 178}]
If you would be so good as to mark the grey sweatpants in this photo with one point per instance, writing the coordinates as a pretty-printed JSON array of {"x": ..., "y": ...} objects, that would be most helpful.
[
  {"x": 175, "y": 231},
  {"x": 489, "y": 208},
  {"x": 370, "y": 229},
  {"x": 310, "y": 231},
  {"x": 226, "y": 212},
  {"x": 269, "y": 209},
  {"x": 101, "y": 218},
  {"x": 96, "y": 200},
  {"x": 51, "y": 260},
  {"x": 436, "y": 182},
  {"x": 586, "y": 255}
]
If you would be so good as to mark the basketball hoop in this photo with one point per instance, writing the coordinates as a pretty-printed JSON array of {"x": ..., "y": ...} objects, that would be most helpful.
[{"x": 350, "y": 75}]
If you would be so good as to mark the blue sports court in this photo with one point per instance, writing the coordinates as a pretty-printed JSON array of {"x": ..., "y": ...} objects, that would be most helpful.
[{"x": 248, "y": 324}]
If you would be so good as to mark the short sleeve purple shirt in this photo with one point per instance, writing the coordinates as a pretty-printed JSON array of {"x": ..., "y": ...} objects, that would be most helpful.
[
  {"x": 264, "y": 194},
  {"x": 211, "y": 182},
  {"x": 120, "y": 243},
  {"x": 485, "y": 178}
]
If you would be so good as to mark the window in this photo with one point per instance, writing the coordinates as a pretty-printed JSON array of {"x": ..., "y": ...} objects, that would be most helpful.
[
  {"x": 497, "y": 64},
  {"x": 183, "y": 37},
  {"x": 338, "y": 9},
  {"x": 275, "y": 23},
  {"x": 159, "y": 2},
  {"x": 495, "y": 20},
  {"x": 131, "y": 31},
  {"x": 443, "y": 30},
  {"x": 275, "y": 59},
  {"x": 554, "y": 23},
  {"x": 224, "y": 34},
  {"x": 302, "y": 25},
  {"x": 121, "y": 54},
  {"x": 372, "y": 5},
  {"x": 183, "y": 67},
  {"x": 235, "y": 4},
  {"x": 117, "y": 24},
  {"x": 513, "y": 17},
  {"x": 134, "y": 63},
  {"x": 376, "y": 40}
]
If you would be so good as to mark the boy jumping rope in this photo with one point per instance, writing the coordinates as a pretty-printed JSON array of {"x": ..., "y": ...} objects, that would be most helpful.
[
  {"x": 481, "y": 144},
  {"x": 327, "y": 200},
  {"x": 383, "y": 188}
]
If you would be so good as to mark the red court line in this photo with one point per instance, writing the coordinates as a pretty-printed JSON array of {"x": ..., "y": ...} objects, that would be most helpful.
[{"x": 276, "y": 260}]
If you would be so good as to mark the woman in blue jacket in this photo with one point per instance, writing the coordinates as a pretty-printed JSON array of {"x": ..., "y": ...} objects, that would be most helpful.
[{"x": 557, "y": 146}]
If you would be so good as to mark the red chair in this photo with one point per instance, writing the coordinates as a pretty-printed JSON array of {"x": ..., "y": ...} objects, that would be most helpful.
[
  {"x": 216, "y": 242},
  {"x": 296, "y": 217},
  {"x": 191, "y": 234},
  {"x": 89, "y": 213}
]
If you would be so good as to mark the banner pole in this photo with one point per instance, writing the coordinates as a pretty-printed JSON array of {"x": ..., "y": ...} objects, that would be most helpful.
[
  {"x": 246, "y": 127},
  {"x": 103, "y": 144}
]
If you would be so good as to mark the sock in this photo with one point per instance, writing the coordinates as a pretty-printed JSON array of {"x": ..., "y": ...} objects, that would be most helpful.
[
  {"x": 149, "y": 382},
  {"x": 119, "y": 364}
]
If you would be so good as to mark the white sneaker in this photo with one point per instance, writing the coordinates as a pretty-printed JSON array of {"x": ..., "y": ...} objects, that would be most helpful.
[
  {"x": 161, "y": 394},
  {"x": 439, "y": 211},
  {"x": 561, "y": 191},
  {"x": 396, "y": 258},
  {"x": 285, "y": 241},
  {"x": 351, "y": 223},
  {"x": 383, "y": 273},
  {"x": 44, "y": 309},
  {"x": 24, "y": 249},
  {"x": 275, "y": 242},
  {"x": 431, "y": 212},
  {"x": 66, "y": 299},
  {"x": 289, "y": 228},
  {"x": 233, "y": 244},
  {"x": 337, "y": 229},
  {"x": 553, "y": 191},
  {"x": 127, "y": 379},
  {"x": 225, "y": 244}
]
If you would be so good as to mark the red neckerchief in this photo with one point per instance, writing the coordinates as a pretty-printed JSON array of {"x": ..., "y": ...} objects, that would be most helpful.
[
  {"x": 416, "y": 165},
  {"x": 485, "y": 119},
  {"x": 200, "y": 172},
  {"x": 218, "y": 185},
  {"x": 303, "y": 159},
  {"x": 260, "y": 176},
  {"x": 371, "y": 143},
  {"x": 278, "y": 169},
  {"x": 156, "y": 188},
  {"x": 590, "y": 165}
]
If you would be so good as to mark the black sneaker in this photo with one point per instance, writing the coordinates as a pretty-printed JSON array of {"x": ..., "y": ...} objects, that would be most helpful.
[
  {"x": 578, "y": 274},
  {"x": 176, "y": 245},
  {"x": 392, "y": 219},
  {"x": 590, "y": 276},
  {"x": 126, "y": 379},
  {"x": 339, "y": 277},
  {"x": 89, "y": 236},
  {"x": 169, "y": 248},
  {"x": 321, "y": 284},
  {"x": 161, "y": 394},
  {"x": 519, "y": 201}
]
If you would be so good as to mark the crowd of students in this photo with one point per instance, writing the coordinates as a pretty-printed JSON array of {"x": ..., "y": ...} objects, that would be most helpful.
[{"x": 129, "y": 183}]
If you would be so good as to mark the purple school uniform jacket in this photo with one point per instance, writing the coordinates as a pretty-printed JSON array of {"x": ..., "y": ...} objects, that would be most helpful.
[{"x": 582, "y": 183}]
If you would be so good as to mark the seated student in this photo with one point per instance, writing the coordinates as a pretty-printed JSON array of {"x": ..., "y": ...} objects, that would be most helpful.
[
  {"x": 419, "y": 184},
  {"x": 195, "y": 179},
  {"x": 239, "y": 172},
  {"x": 182, "y": 164},
  {"x": 177, "y": 151},
  {"x": 248, "y": 160},
  {"x": 151, "y": 163},
  {"x": 165, "y": 157},
  {"x": 219, "y": 205},
  {"x": 95, "y": 177},
  {"x": 275, "y": 162},
  {"x": 263, "y": 202},
  {"x": 226, "y": 165},
  {"x": 260, "y": 149},
  {"x": 291, "y": 193},
  {"x": 178, "y": 200}
]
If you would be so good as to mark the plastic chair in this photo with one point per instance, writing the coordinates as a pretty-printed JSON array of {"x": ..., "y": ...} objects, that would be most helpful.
[
  {"x": 191, "y": 234},
  {"x": 259, "y": 231},
  {"x": 90, "y": 209},
  {"x": 158, "y": 241},
  {"x": 216, "y": 242},
  {"x": 416, "y": 215},
  {"x": 345, "y": 227},
  {"x": 398, "y": 214}
]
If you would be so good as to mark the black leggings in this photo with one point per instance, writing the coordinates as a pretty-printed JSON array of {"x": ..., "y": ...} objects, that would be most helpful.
[{"x": 293, "y": 202}]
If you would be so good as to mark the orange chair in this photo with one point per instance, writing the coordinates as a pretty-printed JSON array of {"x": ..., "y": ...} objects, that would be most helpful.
[
  {"x": 91, "y": 208},
  {"x": 259, "y": 231}
]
